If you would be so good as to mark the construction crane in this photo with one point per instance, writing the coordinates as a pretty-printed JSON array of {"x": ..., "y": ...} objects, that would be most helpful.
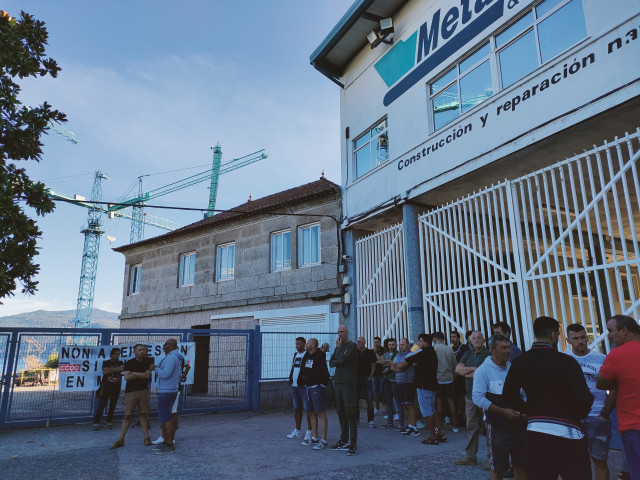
[
  {"x": 218, "y": 168},
  {"x": 92, "y": 234}
]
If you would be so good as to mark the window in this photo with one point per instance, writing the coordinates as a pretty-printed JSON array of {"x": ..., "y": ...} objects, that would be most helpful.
[
  {"x": 309, "y": 245},
  {"x": 280, "y": 251},
  {"x": 187, "y": 270},
  {"x": 540, "y": 34},
  {"x": 544, "y": 32},
  {"x": 226, "y": 257},
  {"x": 371, "y": 148},
  {"x": 135, "y": 272}
]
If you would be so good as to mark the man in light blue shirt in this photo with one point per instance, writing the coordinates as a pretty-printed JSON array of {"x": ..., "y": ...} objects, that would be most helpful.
[{"x": 169, "y": 371}]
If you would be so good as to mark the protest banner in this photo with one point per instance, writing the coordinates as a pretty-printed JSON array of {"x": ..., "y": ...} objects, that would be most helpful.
[{"x": 80, "y": 366}]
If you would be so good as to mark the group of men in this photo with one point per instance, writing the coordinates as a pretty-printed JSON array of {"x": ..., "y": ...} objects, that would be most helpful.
[
  {"x": 546, "y": 413},
  {"x": 137, "y": 372}
]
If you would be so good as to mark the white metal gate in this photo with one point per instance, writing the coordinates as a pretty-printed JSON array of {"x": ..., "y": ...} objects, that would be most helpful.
[
  {"x": 381, "y": 288},
  {"x": 561, "y": 242}
]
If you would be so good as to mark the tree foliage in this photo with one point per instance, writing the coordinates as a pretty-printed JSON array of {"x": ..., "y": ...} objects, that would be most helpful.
[{"x": 22, "y": 55}]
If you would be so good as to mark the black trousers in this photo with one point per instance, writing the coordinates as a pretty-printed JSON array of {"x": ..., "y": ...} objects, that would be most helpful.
[
  {"x": 550, "y": 456},
  {"x": 111, "y": 395}
]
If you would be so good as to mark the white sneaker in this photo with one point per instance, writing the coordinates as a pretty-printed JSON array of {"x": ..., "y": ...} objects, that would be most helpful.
[
  {"x": 386, "y": 417},
  {"x": 158, "y": 441},
  {"x": 307, "y": 435},
  {"x": 447, "y": 421},
  {"x": 295, "y": 434},
  {"x": 321, "y": 445},
  {"x": 372, "y": 424},
  {"x": 396, "y": 417}
]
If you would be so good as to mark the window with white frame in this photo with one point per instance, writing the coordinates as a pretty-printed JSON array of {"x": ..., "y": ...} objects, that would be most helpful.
[
  {"x": 309, "y": 245},
  {"x": 281, "y": 250},
  {"x": 371, "y": 148},
  {"x": 541, "y": 33},
  {"x": 187, "y": 269},
  {"x": 226, "y": 257},
  {"x": 135, "y": 274}
]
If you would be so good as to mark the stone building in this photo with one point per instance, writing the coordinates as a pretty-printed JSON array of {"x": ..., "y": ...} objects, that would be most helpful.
[{"x": 272, "y": 262}]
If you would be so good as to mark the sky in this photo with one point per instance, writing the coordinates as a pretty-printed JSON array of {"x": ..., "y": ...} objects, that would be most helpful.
[{"x": 150, "y": 87}]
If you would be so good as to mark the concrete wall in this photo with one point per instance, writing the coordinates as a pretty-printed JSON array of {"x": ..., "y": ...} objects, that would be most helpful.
[{"x": 161, "y": 303}]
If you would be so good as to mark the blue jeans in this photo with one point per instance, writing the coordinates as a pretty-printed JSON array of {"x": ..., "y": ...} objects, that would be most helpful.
[
  {"x": 390, "y": 395},
  {"x": 631, "y": 444},
  {"x": 299, "y": 397}
]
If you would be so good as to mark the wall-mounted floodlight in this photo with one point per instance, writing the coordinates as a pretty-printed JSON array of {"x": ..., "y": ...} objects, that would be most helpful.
[{"x": 376, "y": 38}]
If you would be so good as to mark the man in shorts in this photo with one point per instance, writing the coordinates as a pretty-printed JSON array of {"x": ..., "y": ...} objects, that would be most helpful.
[
  {"x": 597, "y": 425},
  {"x": 316, "y": 377},
  {"x": 169, "y": 372},
  {"x": 296, "y": 385},
  {"x": 406, "y": 387},
  {"x": 137, "y": 374}
]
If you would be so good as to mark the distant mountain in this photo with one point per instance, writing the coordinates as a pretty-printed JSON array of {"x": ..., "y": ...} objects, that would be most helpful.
[{"x": 44, "y": 319}]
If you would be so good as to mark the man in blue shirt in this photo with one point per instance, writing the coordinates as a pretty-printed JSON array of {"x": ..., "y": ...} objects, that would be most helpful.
[{"x": 169, "y": 371}]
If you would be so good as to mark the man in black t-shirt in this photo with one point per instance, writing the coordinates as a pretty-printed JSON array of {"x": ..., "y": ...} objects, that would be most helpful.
[
  {"x": 111, "y": 381},
  {"x": 366, "y": 367},
  {"x": 138, "y": 375},
  {"x": 426, "y": 380}
]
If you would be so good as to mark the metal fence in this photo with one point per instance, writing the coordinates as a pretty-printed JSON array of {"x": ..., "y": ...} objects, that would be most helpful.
[
  {"x": 226, "y": 372},
  {"x": 278, "y": 349}
]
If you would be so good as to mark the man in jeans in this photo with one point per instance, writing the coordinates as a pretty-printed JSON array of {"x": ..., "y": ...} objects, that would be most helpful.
[
  {"x": 366, "y": 367},
  {"x": 111, "y": 382},
  {"x": 316, "y": 377},
  {"x": 296, "y": 384},
  {"x": 344, "y": 360},
  {"x": 389, "y": 390},
  {"x": 169, "y": 372},
  {"x": 469, "y": 362}
]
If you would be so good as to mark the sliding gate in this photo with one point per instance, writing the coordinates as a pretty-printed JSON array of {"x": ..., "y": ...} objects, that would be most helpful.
[{"x": 561, "y": 242}]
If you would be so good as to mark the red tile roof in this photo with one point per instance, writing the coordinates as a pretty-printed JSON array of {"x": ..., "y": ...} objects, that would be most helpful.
[{"x": 318, "y": 189}]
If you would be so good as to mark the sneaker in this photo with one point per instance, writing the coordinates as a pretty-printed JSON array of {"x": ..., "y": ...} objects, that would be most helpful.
[
  {"x": 377, "y": 412},
  {"x": 396, "y": 417},
  {"x": 372, "y": 424},
  {"x": 311, "y": 441},
  {"x": 455, "y": 429},
  {"x": 466, "y": 460},
  {"x": 386, "y": 417},
  {"x": 95, "y": 427},
  {"x": 447, "y": 421},
  {"x": 295, "y": 434},
  {"x": 341, "y": 446},
  {"x": 159, "y": 441},
  {"x": 412, "y": 432},
  {"x": 166, "y": 449},
  {"x": 157, "y": 448},
  {"x": 351, "y": 451},
  {"x": 420, "y": 424},
  {"x": 387, "y": 425},
  {"x": 117, "y": 444},
  {"x": 307, "y": 435},
  {"x": 109, "y": 426},
  {"x": 322, "y": 444}
]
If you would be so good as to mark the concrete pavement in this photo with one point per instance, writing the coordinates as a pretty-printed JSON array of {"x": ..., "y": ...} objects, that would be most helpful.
[{"x": 243, "y": 445}]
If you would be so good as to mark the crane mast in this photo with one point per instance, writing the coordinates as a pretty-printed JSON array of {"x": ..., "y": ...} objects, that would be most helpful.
[
  {"x": 92, "y": 232},
  {"x": 215, "y": 175}
]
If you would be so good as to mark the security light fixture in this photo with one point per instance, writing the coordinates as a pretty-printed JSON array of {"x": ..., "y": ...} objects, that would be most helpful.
[{"x": 376, "y": 38}]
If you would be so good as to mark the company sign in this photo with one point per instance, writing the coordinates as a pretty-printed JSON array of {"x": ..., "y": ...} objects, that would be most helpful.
[{"x": 437, "y": 39}]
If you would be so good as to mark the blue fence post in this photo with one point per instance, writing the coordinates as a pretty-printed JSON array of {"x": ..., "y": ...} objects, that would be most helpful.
[
  {"x": 8, "y": 377},
  {"x": 256, "y": 370}
]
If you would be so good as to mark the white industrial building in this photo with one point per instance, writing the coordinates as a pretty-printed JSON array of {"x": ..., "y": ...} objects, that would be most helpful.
[{"x": 489, "y": 162}]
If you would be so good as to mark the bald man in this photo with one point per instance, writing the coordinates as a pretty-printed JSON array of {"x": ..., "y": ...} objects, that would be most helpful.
[
  {"x": 344, "y": 360},
  {"x": 169, "y": 372}
]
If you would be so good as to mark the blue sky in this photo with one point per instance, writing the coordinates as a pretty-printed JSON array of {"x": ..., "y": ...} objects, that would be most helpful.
[{"x": 150, "y": 86}]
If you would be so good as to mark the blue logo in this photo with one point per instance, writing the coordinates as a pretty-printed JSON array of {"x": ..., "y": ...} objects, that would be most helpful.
[{"x": 419, "y": 54}]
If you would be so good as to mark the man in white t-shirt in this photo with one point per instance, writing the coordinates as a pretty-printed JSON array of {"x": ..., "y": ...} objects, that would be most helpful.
[
  {"x": 598, "y": 424},
  {"x": 298, "y": 391}
]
